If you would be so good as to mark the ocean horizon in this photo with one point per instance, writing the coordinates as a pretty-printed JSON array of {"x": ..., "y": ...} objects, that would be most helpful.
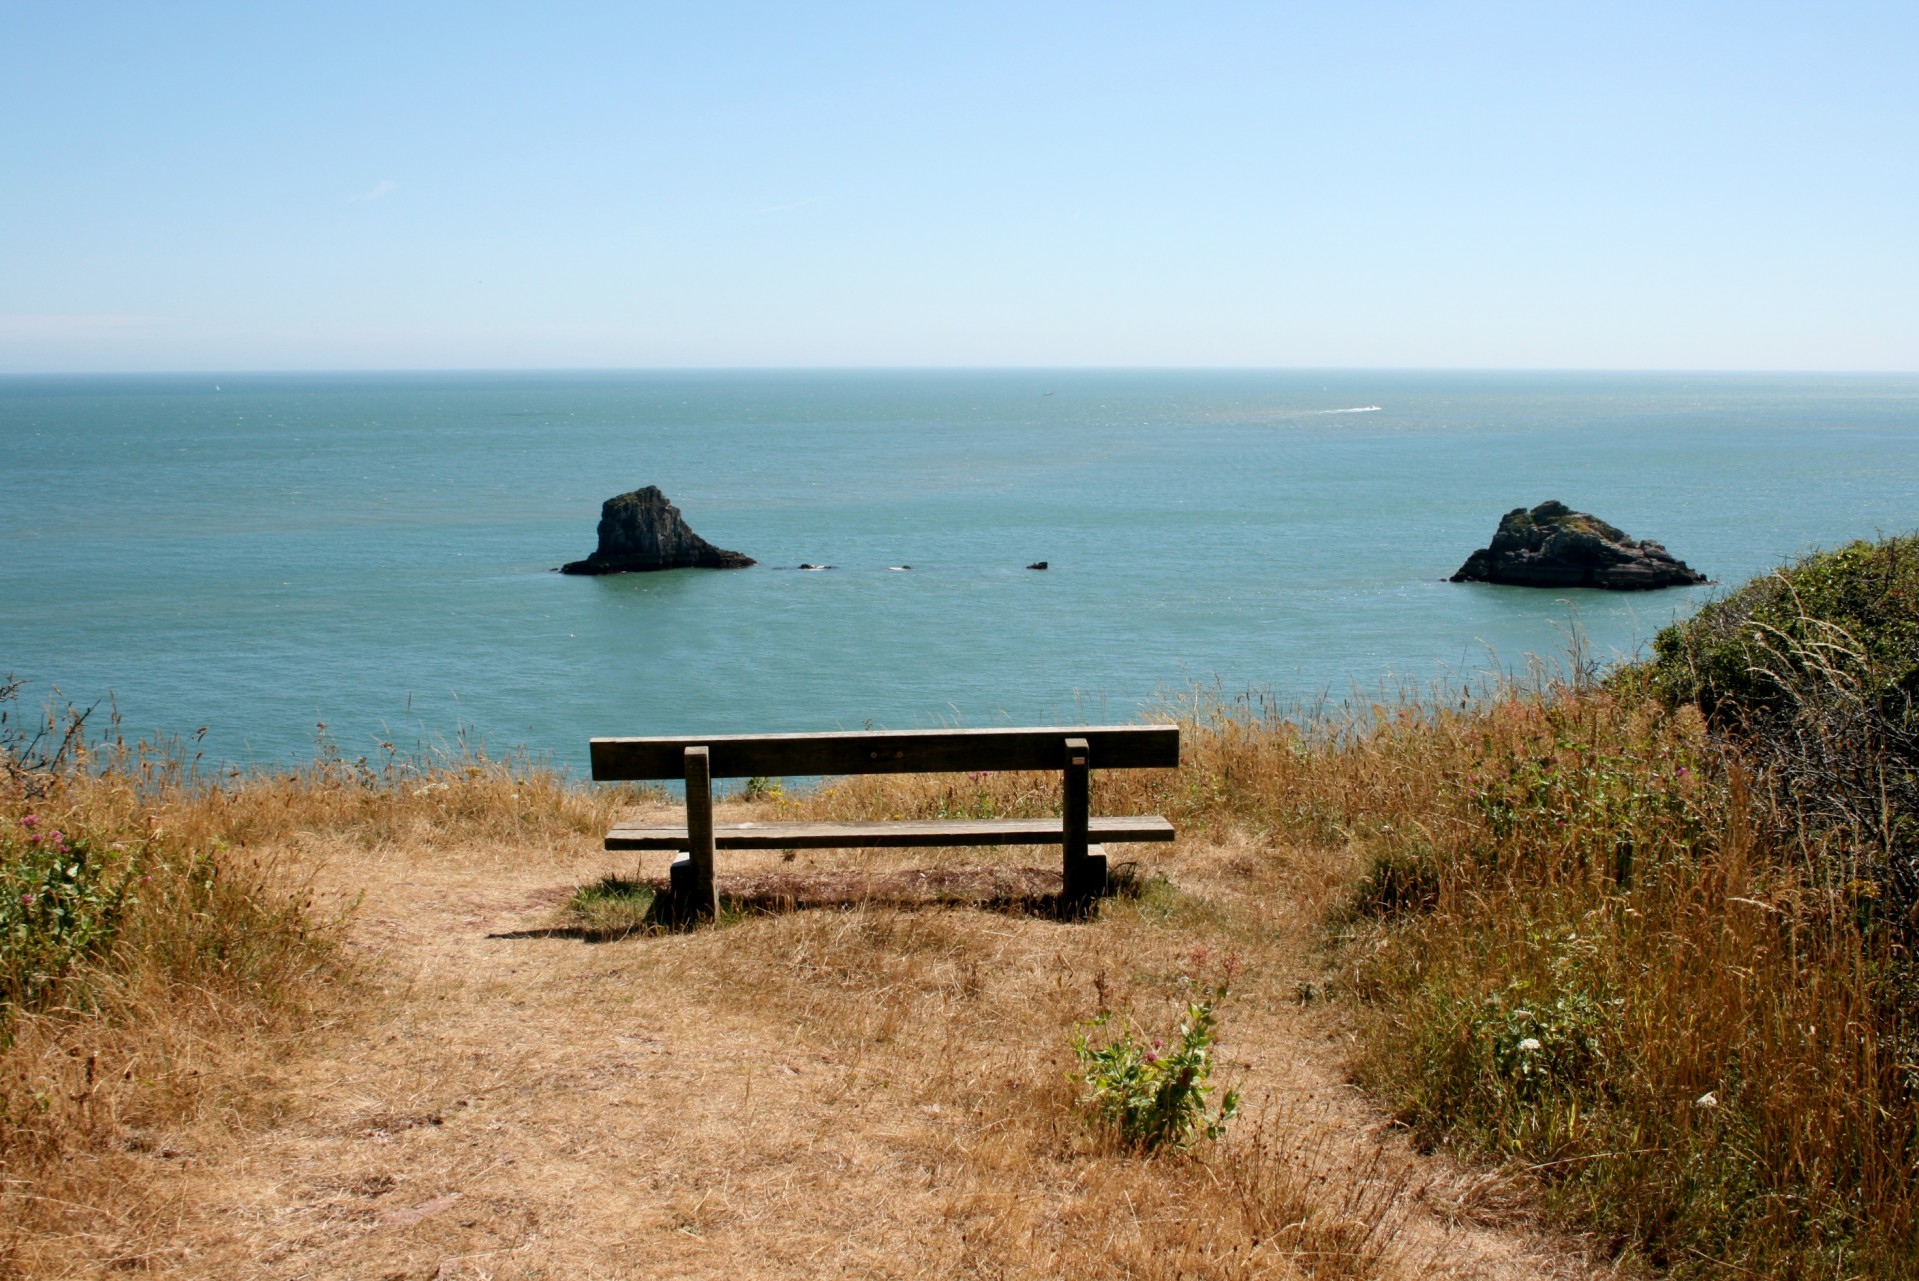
[{"x": 261, "y": 554}]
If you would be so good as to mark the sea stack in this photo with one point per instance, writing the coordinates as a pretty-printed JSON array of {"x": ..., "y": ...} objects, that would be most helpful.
[
  {"x": 643, "y": 531},
  {"x": 1554, "y": 546}
]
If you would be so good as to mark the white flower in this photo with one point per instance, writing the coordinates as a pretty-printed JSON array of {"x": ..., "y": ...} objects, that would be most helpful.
[
  {"x": 1530, "y": 1043},
  {"x": 1706, "y": 1100}
]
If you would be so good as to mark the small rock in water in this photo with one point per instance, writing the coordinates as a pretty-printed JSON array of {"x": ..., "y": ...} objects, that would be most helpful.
[
  {"x": 899, "y": 568},
  {"x": 1038, "y": 564},
  {"x": 642, "y": 531},
  {"x": 1554, "y": 546}
]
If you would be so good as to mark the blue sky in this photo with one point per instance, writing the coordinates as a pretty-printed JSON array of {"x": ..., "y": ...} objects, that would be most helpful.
[{"x": 1505, "y": 185}]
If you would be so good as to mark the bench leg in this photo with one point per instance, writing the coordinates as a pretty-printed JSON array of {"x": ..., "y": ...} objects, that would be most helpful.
[
  {"x": 699, "y": 898},
  {"x": 1084, "y": 886},
  {"x": 679, "y": 892},
  {"x": 1082, "y": 873}
]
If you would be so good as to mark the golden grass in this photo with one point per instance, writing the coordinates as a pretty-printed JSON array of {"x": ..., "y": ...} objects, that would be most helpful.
[
  {"x": 871, "y": 1091},
  {"x": 223, "y": 964},
  {"x": 463, "y": 1078},
  {"x": 450, "y": 1086},
  {"x": 1576, "y": 943}
]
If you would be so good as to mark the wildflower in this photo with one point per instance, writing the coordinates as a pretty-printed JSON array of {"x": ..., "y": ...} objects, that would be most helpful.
[
  {"x": 28, "y": 821},
  {"x": 1530, "y": 1043},
  {"x": 26, "y": 900}
]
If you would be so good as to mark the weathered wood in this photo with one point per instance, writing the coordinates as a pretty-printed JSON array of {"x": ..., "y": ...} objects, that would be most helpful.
[
  {"x": 1080, "y": 895},
  {"x": 904, "y": 834},
  {"x": 884, "y": 752},
  {"x": 1075, "y": 811},
  {"x": 699, "y": 834}
]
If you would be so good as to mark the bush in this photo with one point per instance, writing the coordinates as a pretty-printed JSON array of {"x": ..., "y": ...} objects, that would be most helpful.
[
  {"x": 1841, "y": 619},
  {"x": 1814, "y": 671},
  {"x": 1150, "y": 1096},
  {"x": 62, "y": 900}
]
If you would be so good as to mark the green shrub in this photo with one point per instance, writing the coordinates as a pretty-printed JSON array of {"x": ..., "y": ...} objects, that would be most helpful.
[
  {"x": 1814, "y": 671},
  {"x": 62, "y": 900},
  {"x": 1152, "y": 1095},
  {"x": 1847, "y": 618}
]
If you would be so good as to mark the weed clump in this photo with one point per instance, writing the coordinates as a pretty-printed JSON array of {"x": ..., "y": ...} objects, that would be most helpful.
[
  {"x": 1151, "y": 1093},
  {"x": 62, "y": 902}
]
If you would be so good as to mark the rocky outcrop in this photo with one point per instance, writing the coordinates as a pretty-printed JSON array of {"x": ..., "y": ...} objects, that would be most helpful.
[
  {"x": 642, "y": 531},
  {"x": 1554, "y": 546}
]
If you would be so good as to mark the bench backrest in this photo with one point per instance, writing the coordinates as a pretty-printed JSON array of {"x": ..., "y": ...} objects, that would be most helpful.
[{"x": 887, "y": 752}]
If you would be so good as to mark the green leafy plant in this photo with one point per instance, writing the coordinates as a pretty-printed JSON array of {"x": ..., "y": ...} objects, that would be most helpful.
[
  {"x": 761, "y": 788},
  {"x": 61, "y": 903},
  {"x": 1152, "y": 1094}
]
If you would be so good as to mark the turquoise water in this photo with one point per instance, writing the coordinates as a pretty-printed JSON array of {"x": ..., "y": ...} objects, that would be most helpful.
[{"x": 259, "y": 553}]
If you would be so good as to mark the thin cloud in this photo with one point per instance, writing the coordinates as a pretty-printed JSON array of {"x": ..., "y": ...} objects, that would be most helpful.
[{"x": 384, "y": 187}]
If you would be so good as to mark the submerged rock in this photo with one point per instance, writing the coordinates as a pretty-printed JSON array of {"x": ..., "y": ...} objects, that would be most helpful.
[
  {"x": 643, "y": 531},
  {"x": 1554, "y": 546}
]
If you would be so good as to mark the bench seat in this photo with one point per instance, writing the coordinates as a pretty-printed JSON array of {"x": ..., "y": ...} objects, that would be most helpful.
[{"x": 900, "y": 834}]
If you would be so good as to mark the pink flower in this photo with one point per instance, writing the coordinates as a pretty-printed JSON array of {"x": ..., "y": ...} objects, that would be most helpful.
[{"x": 28, "y": 821}]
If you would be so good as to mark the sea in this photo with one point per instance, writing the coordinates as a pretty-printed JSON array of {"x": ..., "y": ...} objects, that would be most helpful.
[{"x": 259, "y": 567}]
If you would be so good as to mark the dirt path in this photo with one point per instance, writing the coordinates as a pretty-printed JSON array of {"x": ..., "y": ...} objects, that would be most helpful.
[{"x": 823, "y": 1093}]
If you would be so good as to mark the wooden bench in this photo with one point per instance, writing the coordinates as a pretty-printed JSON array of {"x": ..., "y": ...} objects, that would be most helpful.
[{"x": 1075, "y": 752}]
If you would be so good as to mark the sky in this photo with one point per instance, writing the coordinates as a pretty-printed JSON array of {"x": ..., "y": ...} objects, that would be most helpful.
[{"x": 207, "y": 186}]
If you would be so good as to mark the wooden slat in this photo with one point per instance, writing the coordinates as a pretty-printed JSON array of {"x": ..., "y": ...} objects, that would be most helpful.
[
  {"x": 897, "y": 835},
  {"x": 886, "y": 752}
]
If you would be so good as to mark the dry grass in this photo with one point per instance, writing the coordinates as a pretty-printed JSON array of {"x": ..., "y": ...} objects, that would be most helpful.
[
  {"x": 868, "y": 1074},
  {"x": 166, "y": 1033},
  {"x": 876, "y": 1091},
  {"x": 1582, "y": 948},
  {"x": 472, "y": 1089}
]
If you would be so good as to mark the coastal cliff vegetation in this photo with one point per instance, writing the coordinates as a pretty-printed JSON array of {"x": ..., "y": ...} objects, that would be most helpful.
[{"x": 1637, "y": 944}]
